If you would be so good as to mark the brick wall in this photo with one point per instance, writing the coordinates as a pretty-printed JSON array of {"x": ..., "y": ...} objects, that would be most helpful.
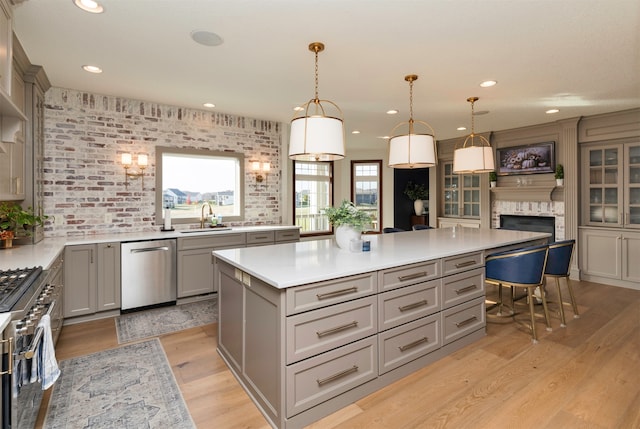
[
  {"x": 530, "y": 208},
  {"x": 86, "y": 133}
]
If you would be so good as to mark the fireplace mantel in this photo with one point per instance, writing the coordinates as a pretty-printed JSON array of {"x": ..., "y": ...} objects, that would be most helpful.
[{"x": 523, "y": 193}]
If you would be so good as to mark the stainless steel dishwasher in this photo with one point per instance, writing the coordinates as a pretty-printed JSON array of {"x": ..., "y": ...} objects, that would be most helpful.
[{"x": 148, "y": 273}]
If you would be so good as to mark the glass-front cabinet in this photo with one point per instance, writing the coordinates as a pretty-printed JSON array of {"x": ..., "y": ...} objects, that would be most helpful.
[{"x": 611, "y": 191}]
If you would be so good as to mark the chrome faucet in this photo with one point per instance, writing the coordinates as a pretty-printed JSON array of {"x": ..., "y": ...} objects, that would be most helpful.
[{"x": 202, "y": 213}]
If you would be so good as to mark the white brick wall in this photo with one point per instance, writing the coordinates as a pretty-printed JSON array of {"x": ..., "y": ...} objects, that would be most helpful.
[
  {"x": 530, "y": 208},
  {"x": 85, "y": 134}
]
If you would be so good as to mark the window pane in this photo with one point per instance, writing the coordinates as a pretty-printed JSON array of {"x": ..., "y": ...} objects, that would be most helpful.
[{"x": 365, "y": 190}]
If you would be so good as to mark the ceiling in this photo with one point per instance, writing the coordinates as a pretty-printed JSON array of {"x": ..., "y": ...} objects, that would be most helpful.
[{"x": 580, "y": 56}]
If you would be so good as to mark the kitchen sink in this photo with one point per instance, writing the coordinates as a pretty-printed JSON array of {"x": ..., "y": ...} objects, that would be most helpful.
[{"x": 205, "y": 230}]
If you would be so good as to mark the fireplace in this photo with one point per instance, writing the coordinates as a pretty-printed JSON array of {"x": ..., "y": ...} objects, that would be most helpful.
[{"x": 530, "y": 223}]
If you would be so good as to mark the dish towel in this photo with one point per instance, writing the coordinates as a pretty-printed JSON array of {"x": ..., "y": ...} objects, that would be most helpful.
[{"x": 44, "y": 367}]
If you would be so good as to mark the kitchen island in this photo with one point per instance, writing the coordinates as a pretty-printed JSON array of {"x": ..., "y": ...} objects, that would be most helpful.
[{"x": 308, "y": 328}]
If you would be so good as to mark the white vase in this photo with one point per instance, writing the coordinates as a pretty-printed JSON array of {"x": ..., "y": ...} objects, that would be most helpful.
[
  {"x": 418, "y": 206},
  {"x": 344, "y": 235},
  {"x": 559, "y": 182}
]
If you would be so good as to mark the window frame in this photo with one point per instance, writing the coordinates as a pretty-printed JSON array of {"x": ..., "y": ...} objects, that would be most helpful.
[
  {"x": 378, "y": 163},
  {"x": 199, "y": 153},
  {"x": 313, "y": 233}
]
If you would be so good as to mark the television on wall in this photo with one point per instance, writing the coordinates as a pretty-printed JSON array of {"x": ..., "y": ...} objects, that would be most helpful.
[{"x": 529, "y": 159}]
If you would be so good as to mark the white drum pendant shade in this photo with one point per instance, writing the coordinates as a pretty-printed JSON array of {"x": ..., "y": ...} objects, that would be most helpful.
[
  {"x": 473, "y": 159},
  {"x": 412, "y": 151},
  {"x": 316, "y": 138}
]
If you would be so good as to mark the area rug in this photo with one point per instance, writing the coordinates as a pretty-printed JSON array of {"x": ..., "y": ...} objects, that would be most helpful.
[
  {"x": 165, "y": 320},
  {"x": 128, "y": 387}
]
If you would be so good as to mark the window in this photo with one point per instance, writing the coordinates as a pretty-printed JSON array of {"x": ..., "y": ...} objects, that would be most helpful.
[
  {"x": 366, "y": 189},
  {"x": 461, "y": 193},
  {"x": 313, "y": 191},
  {"x": 186, "y": 179}
]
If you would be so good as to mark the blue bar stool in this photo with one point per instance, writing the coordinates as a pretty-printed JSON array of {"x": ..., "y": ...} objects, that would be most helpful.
[
  {"x": 557, "y": 267},
  {"x": 418, "y": 227},
  {"x": 520, "y": 268},
  {"x": 390, "y": 230}
]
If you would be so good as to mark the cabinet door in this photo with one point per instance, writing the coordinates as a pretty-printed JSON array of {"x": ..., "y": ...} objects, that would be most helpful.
[
  {"x": 108, "y": 276},
  {"x": 631, "y": 257},
  {"x": 195, "y": 272},
  {"x": 600, "y": 253},
  {"x": 602, "y": 185},
  {"x": 632, "y": 186},
  {"x": 79, "y": 280},
  {"x": 230, "y": 314}
]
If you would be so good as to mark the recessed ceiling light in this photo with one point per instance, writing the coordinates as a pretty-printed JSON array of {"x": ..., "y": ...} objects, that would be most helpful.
[
  {"x": 206, "y": 38},
  {"x": 355, "y": 132},
  {"x": 488, "y": 83},
  {"x": 384, "y": 137},
  {"x": 461, "y": 128},
  {"x": 392, "y": 112},
  {"x": 298, "y": 108},
  {"x": 89, "y": 6},
  {"x": 552, "y": 111},
  {"x": 209, "y": 105},
  {"x": 92, "y": 69}
]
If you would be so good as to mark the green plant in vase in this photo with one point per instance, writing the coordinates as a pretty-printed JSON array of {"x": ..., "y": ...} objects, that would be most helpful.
[
  {"x": 348, "y": 221},
  {"x": 16, "y": 221}
]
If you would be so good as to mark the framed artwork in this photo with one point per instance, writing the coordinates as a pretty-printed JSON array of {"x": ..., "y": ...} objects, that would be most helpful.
[{"x": 529, "y": 159}]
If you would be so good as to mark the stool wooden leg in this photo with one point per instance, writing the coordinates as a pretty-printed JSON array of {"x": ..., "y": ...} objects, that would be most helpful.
[
  {"x": 543, "y": 294},
  {"x": 499, "y": 313},
  {"x": 561, "y": 304},
  {"x": 573, "y": 299}
]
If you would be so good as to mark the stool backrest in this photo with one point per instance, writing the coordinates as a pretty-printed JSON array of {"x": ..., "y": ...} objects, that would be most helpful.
[
  {"x": 560, "y": 257},
  {"x": 417, "y": 227},
  {"x": 389, "y": 230},
  {"x": 523, "y": 266}
]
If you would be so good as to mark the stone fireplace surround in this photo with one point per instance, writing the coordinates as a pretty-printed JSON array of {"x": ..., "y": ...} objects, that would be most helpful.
[{"x": 553, "y": 209}]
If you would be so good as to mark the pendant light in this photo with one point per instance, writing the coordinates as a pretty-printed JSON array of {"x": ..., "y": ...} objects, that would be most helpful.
[
  {"x": 472, "y": 158},
  {"x": 317, "y": 136},
  {"x": 412, "y": 150}
]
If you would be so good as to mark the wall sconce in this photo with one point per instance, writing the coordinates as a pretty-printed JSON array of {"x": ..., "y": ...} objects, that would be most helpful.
[
  {"x": 260, "y": 168},
  {"x": 127, "y": 161}
]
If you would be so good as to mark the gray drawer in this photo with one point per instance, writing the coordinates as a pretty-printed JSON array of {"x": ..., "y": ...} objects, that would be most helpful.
[
  {"x": 457, "y": 264},
  {"x": 408, "y": 342},
  {"x": 409, "y": 303},
  {"x": 463, "y": 319},
  {"x": 227, "y": 240},
  {"x": 317, "y": 331},
  {"x": 287, "y": 235},
  {"x": 323, "y": 377},
  {"x": 462, "y": 287},
  {"x": 322, "y": 294},
  {"x": 409, "y": 274},
  {"x": 260, "y": 237}
]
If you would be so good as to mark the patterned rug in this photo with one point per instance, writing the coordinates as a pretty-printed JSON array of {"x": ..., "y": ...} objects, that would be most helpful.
[
  {"x": 160, "y": 321},
  {"x": 128, "y": 387}
]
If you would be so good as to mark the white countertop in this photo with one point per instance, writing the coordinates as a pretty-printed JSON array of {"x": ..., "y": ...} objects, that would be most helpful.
[
  {"x": 294, "y": 264},
  {"x": 44, "y": 252},
  {"x": 5, "y": 318}
]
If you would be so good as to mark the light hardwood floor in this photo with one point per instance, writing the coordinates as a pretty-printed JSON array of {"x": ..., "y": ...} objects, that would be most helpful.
[{"x": 586, "y": 375}]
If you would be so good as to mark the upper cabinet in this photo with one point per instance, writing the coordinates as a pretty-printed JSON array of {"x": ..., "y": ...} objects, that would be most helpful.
[
  {"x": 12, "y": 119},
  {"x": 611, "y": 185}
]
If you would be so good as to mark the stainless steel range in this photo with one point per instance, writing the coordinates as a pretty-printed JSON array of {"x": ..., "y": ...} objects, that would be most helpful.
[{"x": 27, "y": 294}]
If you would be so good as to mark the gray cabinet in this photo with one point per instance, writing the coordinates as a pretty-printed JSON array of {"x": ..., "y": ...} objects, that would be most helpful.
[
  {"x": 610, "y": 256},
  {"x": 305, "y": 351},
  {"x": 196, "y": 263},
  {"x": 91, "y": 279}
]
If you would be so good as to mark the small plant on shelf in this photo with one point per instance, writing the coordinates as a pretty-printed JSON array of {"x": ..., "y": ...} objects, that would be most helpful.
[
  {"x": 416, "y": 191},
  {"x": 493, "y": 177},
  {"x": 559, "y": 171}
]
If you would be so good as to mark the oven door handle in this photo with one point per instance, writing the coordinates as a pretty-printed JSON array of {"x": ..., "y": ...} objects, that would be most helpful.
[{"x": 37, "y": 337}]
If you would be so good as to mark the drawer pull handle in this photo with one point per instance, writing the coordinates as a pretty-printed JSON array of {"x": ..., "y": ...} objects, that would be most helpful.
[
  {"x": 466, "y": 322},
  {"x": 337, "y": 375},
  {"x": 335, "y": 293},
  {"x": 260, "y": 237},
  {"x": 465, "y": 264},
  {"x": 466, "y": 289},
  {"x": 413, "y": 344},
  {"x": 413, "y": 276},
  {"x": 337, "y": 329},
  {"x": 414, "y": 305}
]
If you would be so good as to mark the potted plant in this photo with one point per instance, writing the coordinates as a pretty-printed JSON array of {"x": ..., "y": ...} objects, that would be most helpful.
[
  {"x": 493, "y": 179},
  {"x": 417, "y": 192},
  {"x": 559, "y": 175},
  {"x": 16, "y": 221},
  {"x": 348, "y": 222}
]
